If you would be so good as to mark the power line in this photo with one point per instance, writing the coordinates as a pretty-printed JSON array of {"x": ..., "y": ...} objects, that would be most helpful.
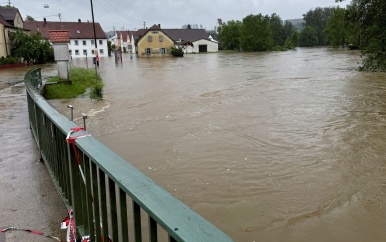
[{"x": 118, "y": 12}]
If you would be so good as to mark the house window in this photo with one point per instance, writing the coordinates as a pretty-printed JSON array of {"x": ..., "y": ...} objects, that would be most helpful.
[
  {"x": 148, "y": 51},
  {"x": 161, "y": 38},
  {"x": 76, "y": 42},
  {"x": 76, "y": 52},
  {"x": 84, "y": 52},
  {"x": 149, "y": 38},
  {"x": 101, "y": 42},
  {"x": 162, "y": 50},
  {"x": 84, "y": 42},
  {"x": 92, "y": 51},
  {"x": 101, "y": 51},
  {"x": 92, "y": 42}
]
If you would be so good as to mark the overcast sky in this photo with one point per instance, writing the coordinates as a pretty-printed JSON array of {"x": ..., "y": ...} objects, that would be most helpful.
[{"x": 128, "y": 14}]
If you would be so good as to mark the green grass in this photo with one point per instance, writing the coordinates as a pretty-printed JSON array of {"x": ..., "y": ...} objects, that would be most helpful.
[
  {"x": 81, "y": 80},
  {"x": 53, "y": 79}
]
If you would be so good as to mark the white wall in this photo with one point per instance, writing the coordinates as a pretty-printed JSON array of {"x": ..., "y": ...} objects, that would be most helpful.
[
  {"x": 89, "y": 47},
  {"x": 212, "y": 46}
]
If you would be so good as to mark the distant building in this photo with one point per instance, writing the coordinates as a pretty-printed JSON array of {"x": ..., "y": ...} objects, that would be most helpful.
[
  {"x": 191, "y": 40},
  {"x": 154, "y": 42},
  {"x": 121, "y": 39},
  {"x": 81, "y": 35},
  {"x": 10, "y": 21}
]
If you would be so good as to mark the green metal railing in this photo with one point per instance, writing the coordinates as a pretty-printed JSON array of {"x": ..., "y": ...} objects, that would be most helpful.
[{"x": 116, "y": 196}]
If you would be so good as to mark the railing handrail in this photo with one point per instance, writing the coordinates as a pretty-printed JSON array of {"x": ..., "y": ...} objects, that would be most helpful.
[{"x": 177, "y": 219}]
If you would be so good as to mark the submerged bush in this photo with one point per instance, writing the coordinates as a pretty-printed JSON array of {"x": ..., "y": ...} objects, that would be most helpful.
[
  {"x": 177, "y": 52},
  {"x": 97, "y": 91}
]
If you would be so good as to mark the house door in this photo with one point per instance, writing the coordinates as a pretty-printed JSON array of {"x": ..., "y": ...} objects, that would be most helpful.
[{"x": 202, "y": 48}]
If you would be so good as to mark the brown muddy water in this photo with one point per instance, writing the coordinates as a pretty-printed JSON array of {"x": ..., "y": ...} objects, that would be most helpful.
[{"x": 280, "y": 146}]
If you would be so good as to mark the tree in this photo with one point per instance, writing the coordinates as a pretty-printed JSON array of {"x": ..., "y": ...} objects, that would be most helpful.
[
  {"x": 308, "y": 37},
  {"x": 29, "y": 18},
  {"x": 230, "y": 35},
  {"x": 336, "y": 30},
  {"x": 109, "y": 47},
  {"x": 368, "y": 17},
  {"x": 277, "y": 30},
  {"x": 30, "y": 47},
  {"x": 295, "y": 38},
  {"x": 189, "y": 26},
  {"x": 288, "y": 29},
  {"x": 256, "y": 33},
  {"x": 317, "y": 19},
  {"x": 7, "y": 6}
]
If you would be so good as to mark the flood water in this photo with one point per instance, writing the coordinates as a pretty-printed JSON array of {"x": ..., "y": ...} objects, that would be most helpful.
[{"x": 280, "y": 146}]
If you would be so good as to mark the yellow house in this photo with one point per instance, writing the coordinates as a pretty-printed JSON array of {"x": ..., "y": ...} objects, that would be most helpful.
[
  {"x": 154, "y": 43},
  {"x": 10, "y": 20}
]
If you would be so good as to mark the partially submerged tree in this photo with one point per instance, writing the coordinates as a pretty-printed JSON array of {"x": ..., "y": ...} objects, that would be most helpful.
[
  {"x": 369, "y": 19},
  {"x": 277, "y": 30},
  {"x": 336, "y": 30},
  {"x": 308, "y": 37},
  {"x": 317, "y": 18},
  {"x": 256, "y": 33},
  {"x": 230, "y": 35}
]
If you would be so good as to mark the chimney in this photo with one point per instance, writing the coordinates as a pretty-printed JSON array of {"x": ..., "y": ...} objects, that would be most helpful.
[
  {"x": 159, "y": 25},
  {"x": 79, "y": 20},
  {"x": 45, "y": 21}
]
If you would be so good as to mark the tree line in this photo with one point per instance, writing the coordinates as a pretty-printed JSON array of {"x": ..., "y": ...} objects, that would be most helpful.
[{"x": 361, "y": 25}]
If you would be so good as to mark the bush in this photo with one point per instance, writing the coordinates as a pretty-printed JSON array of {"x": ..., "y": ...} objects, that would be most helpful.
[
  {"x": 97, "y": 91},
  {"x": 177, "y": 52},
  {"x": 8, "y": 60}
]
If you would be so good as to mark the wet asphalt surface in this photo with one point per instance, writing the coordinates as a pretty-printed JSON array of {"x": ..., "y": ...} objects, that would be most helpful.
[{"x": 28, "y": 198}]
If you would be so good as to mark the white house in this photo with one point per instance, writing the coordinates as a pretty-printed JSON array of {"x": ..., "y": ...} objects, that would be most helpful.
[
  {"x": 82, "y": 42},
  {"x": 201, "y": 40}
]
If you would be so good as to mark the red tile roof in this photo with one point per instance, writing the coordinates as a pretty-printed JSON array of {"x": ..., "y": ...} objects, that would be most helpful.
[
  {"x": 76, "y": 30},
  {"x": 59, "y": 36},
  {"x": 124, "y": 35}
]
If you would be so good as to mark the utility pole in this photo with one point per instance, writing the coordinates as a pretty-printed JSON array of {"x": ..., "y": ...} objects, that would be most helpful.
[{"x": 96, "y": 45}]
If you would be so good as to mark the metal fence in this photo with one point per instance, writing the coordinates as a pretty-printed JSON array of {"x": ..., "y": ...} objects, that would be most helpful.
[{"x": 114, "y": 199}]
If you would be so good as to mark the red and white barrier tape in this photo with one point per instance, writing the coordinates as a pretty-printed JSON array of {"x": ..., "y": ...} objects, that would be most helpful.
[
  {"x": 29, "y": 231},
  {"x": 69, "y": 222},
  {"x": 71, "y": 140}
]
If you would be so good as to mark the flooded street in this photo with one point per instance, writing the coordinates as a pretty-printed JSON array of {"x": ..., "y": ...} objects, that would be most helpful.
[
  {"x": 280, "y": 146},
  {"x": 28, "y": 198}
]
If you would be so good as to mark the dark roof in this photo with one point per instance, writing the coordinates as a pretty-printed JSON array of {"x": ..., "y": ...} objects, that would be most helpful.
[
  {"x": 138, "y": 33},
  {"x": 8, "y": 14},
  {"x": 76, "y": 30},
  {"x": 185, "y": 35},
  {"x": 4, "y": 22}
]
